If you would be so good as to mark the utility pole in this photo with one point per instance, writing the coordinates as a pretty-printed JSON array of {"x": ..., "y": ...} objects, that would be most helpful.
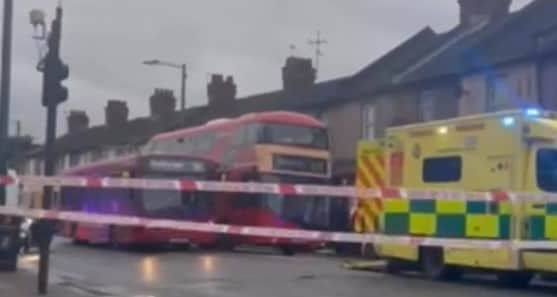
[
  {"x": 183, "y": 75},
  {"x": 183, "y": 88},
  {"x": 5, "y": 93},
  {"x": 317, "y": 43}
]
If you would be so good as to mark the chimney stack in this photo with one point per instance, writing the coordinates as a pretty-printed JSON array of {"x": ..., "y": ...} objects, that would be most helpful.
[
  {"x": 162, "y": 103},
  {"x": 116, "y": 113},
  {"x": 298, "y": 74},
  {"x": 77, "y": 121},
  {"x": 475, "y": 11},
  {"x": 221, "y": 92}
]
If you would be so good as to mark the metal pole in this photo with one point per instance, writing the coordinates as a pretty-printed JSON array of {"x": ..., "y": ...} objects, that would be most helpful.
[
  {"x": 183, "y": 91},
  {"x": 49, "y": 155},
  {"x": 5, "y": 93},
  {"x": 44, "y": 255},
  {"x": 51, "y": 103}
]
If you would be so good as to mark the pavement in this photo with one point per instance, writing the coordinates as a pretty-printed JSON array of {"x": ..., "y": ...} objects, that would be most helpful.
[
  {"x": 24, "y": 284},
  {"x": 97, "y": 271}
]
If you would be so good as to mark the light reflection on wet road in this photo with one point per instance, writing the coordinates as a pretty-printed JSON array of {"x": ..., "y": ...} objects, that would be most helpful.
[{"x": 255, "y": 273}]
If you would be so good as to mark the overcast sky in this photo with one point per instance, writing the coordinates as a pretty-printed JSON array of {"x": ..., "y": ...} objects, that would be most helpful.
[{"x": 105, "y": 41}]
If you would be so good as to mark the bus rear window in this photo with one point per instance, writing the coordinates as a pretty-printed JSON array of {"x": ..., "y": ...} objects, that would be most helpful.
[
  {"x": 546, "y": 169},
  {"x": 442, "y": 169},
  {"x": 311, "y": 137}
]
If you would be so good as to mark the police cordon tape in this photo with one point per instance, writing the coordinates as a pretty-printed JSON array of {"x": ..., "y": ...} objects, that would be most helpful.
[
  {"x": 348, "y": 192},
  {"x": 315, "y": 236},
  {"x": 283, "y": 189}
]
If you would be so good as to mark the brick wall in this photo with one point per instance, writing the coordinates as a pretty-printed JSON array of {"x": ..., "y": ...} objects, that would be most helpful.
[{"x": 345, "y": 129}]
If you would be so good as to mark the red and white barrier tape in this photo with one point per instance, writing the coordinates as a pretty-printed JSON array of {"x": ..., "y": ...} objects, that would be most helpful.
[
  {"x": 348, "y": 192},
  {"x": 316, "y": 236},
  {"x": 281, "y": 189}
]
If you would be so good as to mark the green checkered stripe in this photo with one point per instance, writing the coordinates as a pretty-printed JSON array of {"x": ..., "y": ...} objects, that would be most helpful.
[
  {"x": 541, "y": 221},
  {"x": 447, "y": 219}
]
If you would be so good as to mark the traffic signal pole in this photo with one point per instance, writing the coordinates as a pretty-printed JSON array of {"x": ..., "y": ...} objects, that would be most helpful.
[
  {"x": 54, "y": 93},
  {"x": 5, "y": 93}
]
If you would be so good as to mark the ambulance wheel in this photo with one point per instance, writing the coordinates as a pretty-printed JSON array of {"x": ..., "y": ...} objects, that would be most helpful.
[
  {"x": 393, "y": 266},
  {"x": 368, "y": 251},
  {"x": 434, "y": 267},
  {"x": 514, "y": 279}
]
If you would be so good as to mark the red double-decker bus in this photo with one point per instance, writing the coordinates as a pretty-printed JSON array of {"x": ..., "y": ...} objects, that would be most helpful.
[
  {"x": 270, "y": 147},
  {"x": 162, "y": 204}
]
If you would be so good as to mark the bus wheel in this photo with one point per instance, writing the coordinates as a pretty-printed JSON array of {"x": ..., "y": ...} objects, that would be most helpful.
[
  {"x": 10, "y": 266},
  {"x": 434, "y": 267},
  {"x": 81, "y": 242},
  {"x": 113, "y": 237},
  {"x": 287, "y": 250},
  {"x": 515, "y": 279},
  {"x": 73, "y": 236}
]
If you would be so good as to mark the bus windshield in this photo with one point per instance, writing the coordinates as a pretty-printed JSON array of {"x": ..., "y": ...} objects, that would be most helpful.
[
  {"x": 306, "y": 211},
  {"x": 311, "y": 137},
  {"x": 176, "y": 204}
]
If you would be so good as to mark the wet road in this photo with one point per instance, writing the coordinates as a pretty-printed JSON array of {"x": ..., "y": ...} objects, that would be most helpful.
[{"x": 93, "y": 271}]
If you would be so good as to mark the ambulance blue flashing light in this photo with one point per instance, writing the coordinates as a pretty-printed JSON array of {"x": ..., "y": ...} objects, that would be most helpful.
[
  {"x": 533, "y": 112},
  {"x": 508, "y": 121}
]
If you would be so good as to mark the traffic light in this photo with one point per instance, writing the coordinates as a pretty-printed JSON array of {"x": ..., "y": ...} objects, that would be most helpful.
[{"x": 55, "y": 72}]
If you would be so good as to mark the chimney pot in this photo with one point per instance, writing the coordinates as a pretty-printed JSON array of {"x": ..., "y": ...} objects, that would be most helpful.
[
  {"x": 474, "y": 11},
  {"x": 162, "y": 103},
  {"x": 221, "y": 91},
  {"x": 116, "y": 113},
  {"x": 298, "y": 74},
  {"x": 77, "y": 121}
]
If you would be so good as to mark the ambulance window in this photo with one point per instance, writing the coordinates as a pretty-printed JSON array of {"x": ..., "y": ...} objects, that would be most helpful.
[
  {"x": 546, "y": 169},
  {"x": 442, "y": 170}
]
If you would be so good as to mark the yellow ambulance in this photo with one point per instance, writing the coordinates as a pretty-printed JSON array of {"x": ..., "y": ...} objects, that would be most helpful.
[{"x": 510, "y": 151}]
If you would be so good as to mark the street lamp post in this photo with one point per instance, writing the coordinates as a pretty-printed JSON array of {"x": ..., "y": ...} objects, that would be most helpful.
[
  {"x": 5, "y": 93},
  {"x": 182, "y": 68}
]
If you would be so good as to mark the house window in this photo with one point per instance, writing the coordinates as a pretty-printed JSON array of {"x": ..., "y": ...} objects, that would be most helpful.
[
  {"x": 529, "y": 87},
  {"x": 121, "y": 150},
  {"x": 74, "y": 159},
  {"x": 60, "y": 163},
  {"x": 38, "y": 166},
  {"x": 96, "y": 155},
  {"x": 324, "y": 117},
  {"x": 498, "y": 96},
  {"x": 368, "y": 127},
  {"x": 427, "y": 106}
]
